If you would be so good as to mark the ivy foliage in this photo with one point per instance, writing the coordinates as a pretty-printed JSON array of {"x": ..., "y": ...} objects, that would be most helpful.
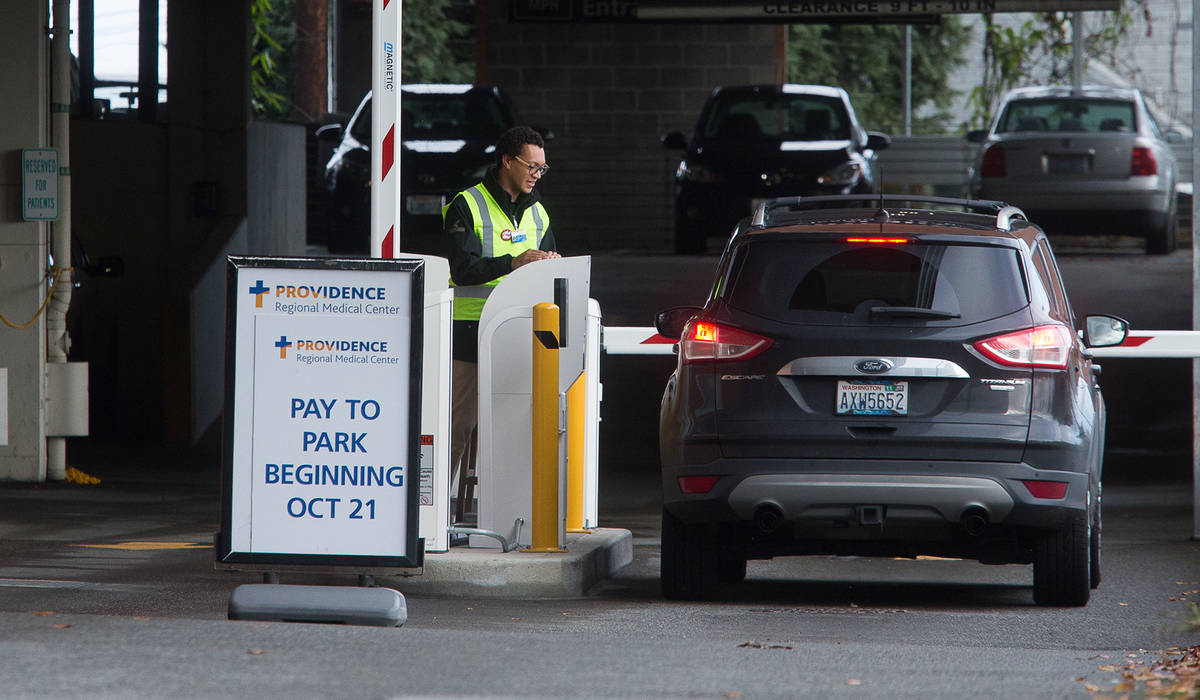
[
  {"x": 437, "y": 45},
  {"x": 273, "y": 35},
  {"x": 867, "y": 60},
  {"x": 1040, "y": 51}
]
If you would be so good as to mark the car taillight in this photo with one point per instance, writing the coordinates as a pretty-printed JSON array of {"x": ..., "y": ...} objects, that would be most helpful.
[
  {"x": 877, "y": 240},
  {"x": 1044, "y": 346},
  {"x": 993, "y": 164},
  {"x": 697, "y": 484},
  {"x": 1143, "y": 162},
  {"x": 705, "y": 341},
  {"x": 1046, "y": 489}
]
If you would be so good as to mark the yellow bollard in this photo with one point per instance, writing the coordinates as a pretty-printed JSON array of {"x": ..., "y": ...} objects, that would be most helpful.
[
  {"x": 576, "y": 426},
  {"x": 545, "y": 516}
]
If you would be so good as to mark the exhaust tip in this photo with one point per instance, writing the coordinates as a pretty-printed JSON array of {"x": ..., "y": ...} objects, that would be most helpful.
[
  {"x": 768, "y": 518},
  {"x": 974, "y": 520}
]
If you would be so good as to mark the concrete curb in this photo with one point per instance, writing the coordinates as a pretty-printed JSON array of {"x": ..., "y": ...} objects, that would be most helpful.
[{"x": 489, "y": 573}]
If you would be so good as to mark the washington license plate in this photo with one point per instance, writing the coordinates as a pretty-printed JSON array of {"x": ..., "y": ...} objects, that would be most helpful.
[{"x": 872, "y": 398}]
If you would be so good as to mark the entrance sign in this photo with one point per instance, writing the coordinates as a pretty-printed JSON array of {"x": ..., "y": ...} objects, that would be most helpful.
[
  {"x": 322, "y": 412},
  {"x": 788, "y": 11},
  {"x": 39, "y": 184}
]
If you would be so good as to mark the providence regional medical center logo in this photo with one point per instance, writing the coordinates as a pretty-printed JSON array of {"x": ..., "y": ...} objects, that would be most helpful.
[
  {"x": 335, "y": 299},
  {"x": 332, "y": 350}
]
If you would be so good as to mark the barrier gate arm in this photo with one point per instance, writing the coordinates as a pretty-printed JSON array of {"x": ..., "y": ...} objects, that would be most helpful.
[{"x": 645, "y": 340}]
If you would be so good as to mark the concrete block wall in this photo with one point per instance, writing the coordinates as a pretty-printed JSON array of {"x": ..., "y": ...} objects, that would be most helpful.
[{"x": 609, "y": 92}]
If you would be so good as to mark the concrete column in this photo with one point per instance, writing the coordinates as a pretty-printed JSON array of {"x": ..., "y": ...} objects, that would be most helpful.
[{"x": 23, "y": 250}]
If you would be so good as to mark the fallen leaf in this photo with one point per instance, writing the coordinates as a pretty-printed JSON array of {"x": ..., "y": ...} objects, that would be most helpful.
[
  {"x": 255, "y": 652},
  {"x": 516, "y": 619},
  {"x": 853, "y": 681},
  {"x": 1123, "y": 605},
  {"x": 1091, "y": 688},
  {"x": 1110, "y": 668},
  {"x": 60, "y": 627},
  {"x": 140, "y": 618},
  {"x": 43, "y": 613},
  {"x": 733, "y": 694}
]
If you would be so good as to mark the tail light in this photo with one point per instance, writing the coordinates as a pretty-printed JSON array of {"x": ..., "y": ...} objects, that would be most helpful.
[
  {"x": 877, "y": 240},
  {"x": 1043, "y": 346},
  {"x": 705, "y": 341},
  {"x": 697, "y": 484},
  {"x": 993, "y": 164},
  {"x": 1143, "y": 162},
  {"x": 1046, "y": 489}
]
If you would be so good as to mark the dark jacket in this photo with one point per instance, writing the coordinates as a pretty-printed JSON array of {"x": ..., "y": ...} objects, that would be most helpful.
[{"x": 467, "y": 264}]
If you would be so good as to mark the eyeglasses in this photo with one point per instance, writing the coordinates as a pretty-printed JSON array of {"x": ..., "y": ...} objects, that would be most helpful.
[{"x": 540, "y": 170}]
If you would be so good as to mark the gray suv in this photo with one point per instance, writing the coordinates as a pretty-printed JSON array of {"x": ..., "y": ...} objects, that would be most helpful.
[{"x": 884, "y": 376}]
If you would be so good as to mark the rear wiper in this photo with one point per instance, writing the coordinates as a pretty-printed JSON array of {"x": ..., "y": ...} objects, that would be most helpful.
[{"x": 912, "y": 312}]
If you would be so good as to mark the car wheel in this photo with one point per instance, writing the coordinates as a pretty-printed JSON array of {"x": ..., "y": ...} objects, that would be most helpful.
[
  {"x": 1161, "y": 240},
  {"x": 1062, "y": 567},
  {"x": 1095, "y": 543},
  {"x": 689, "y": 240},
  {"x": 688, "y": 562},
  {"x": 731, "y": 567}
]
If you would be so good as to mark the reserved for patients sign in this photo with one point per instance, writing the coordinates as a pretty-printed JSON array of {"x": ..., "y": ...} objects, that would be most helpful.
[{"x": 322, "y": 404}]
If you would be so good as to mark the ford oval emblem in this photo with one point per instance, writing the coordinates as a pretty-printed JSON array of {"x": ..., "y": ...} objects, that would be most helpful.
[{"x": 873, "y": 366}]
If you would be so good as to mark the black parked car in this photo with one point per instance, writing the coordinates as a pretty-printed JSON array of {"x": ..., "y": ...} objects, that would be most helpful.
[
  {"x": 449, "y": 133},
  {"x": 884, "y": 377},
  {"x": 755, "y": 142}
]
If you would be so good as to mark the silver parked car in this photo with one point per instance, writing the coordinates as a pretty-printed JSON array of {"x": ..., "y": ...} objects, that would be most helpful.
[{"x": 1090, "y": 160}]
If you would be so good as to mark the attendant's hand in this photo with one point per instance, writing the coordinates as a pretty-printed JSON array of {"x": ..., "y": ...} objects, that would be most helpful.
[{"x": 533, "y": 256}]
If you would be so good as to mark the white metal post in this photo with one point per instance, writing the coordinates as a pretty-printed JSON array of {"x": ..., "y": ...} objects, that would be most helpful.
[
  {"x": 57, "y": 340},
  {"x": 385, "y": 129}
]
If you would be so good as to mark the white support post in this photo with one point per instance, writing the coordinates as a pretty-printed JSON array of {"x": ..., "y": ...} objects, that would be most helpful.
[
  {"x": 385, "y": 129},
  {"x": 1195, "y": 287}
]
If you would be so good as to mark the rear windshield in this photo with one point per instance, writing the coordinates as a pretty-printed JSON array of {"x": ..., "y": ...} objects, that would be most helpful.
[
  {"x": 846, "y": 283},
  {"x": 432, "y": 116},
  {"x": 790, "y": 117},
  {"x": 1067, "y": 114}
]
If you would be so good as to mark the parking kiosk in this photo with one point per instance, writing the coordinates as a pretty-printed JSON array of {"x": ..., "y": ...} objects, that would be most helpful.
[{"x": 505, "y": 378}]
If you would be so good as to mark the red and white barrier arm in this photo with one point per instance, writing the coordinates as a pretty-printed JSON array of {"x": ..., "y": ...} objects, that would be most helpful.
[
  {"x": 385, "y": 130},
  {"x": 637, "y": 340},
  {"x": 630, "y": 340},
  {"x": 1155, "y": 344}
]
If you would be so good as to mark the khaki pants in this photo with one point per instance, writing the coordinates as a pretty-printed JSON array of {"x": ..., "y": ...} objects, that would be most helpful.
[{"x": 464, "y": 415}]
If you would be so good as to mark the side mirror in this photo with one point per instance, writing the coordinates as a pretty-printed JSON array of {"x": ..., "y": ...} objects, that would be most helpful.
[
  {"x": 670, "y": 323},
  {"x": 976, "y": 136},
  {"x": 877, "y": 141},
  {"x": 1174, "y": 136},
  {"x": 1104, "y": 331},
  {"x": 674, "y": 140}
]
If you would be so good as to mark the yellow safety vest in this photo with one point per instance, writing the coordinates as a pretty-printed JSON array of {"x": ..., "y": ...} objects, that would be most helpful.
[{"x": 498, "y": 237}]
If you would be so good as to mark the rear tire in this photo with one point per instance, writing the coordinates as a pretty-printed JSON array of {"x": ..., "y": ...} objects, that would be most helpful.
[
  {"x": 1096, "y": 544},
  {"x": 1161, "y": 240},
  {"x": 689, "y": 240},
  {"x": 731, "y": 568},
  {"x": 688, "y": 561},
  {"x": 1062, "y": 565}
]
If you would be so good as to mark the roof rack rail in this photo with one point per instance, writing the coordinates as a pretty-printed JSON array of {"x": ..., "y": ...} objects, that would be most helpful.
[{"x": 1005, "y": 213}]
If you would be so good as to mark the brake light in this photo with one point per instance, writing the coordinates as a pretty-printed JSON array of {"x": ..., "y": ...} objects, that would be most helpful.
[
  {"x": 993, "y": 164},
  {"x": 705, "y": 341},
  {"x": 877, "y": 240},
  {"x": 1143, "y": 162},
  {"x": 1046, "y": 489},
  {"x": 1044, "y": 346},
  {"x": 697, "y": 484}
]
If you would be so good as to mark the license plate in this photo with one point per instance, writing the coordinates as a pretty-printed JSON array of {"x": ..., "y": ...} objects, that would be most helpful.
[
  {"x": 422, "y": 204},
  {"x": 872, "y": 398},
  {"x": 1068, "y": 164}
]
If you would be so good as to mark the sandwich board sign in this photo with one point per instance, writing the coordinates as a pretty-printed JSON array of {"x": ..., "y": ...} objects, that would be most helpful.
[{"x": 321, "y": 446}]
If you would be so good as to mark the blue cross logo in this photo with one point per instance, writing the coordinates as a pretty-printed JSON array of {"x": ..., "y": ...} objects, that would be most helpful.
[
  {"x": 258, "y": 290},
  {"x": 283, "y": 344}
]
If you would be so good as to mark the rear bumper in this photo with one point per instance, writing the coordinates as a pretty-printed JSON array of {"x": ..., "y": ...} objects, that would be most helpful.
[{"x": 924, "y": 493}]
